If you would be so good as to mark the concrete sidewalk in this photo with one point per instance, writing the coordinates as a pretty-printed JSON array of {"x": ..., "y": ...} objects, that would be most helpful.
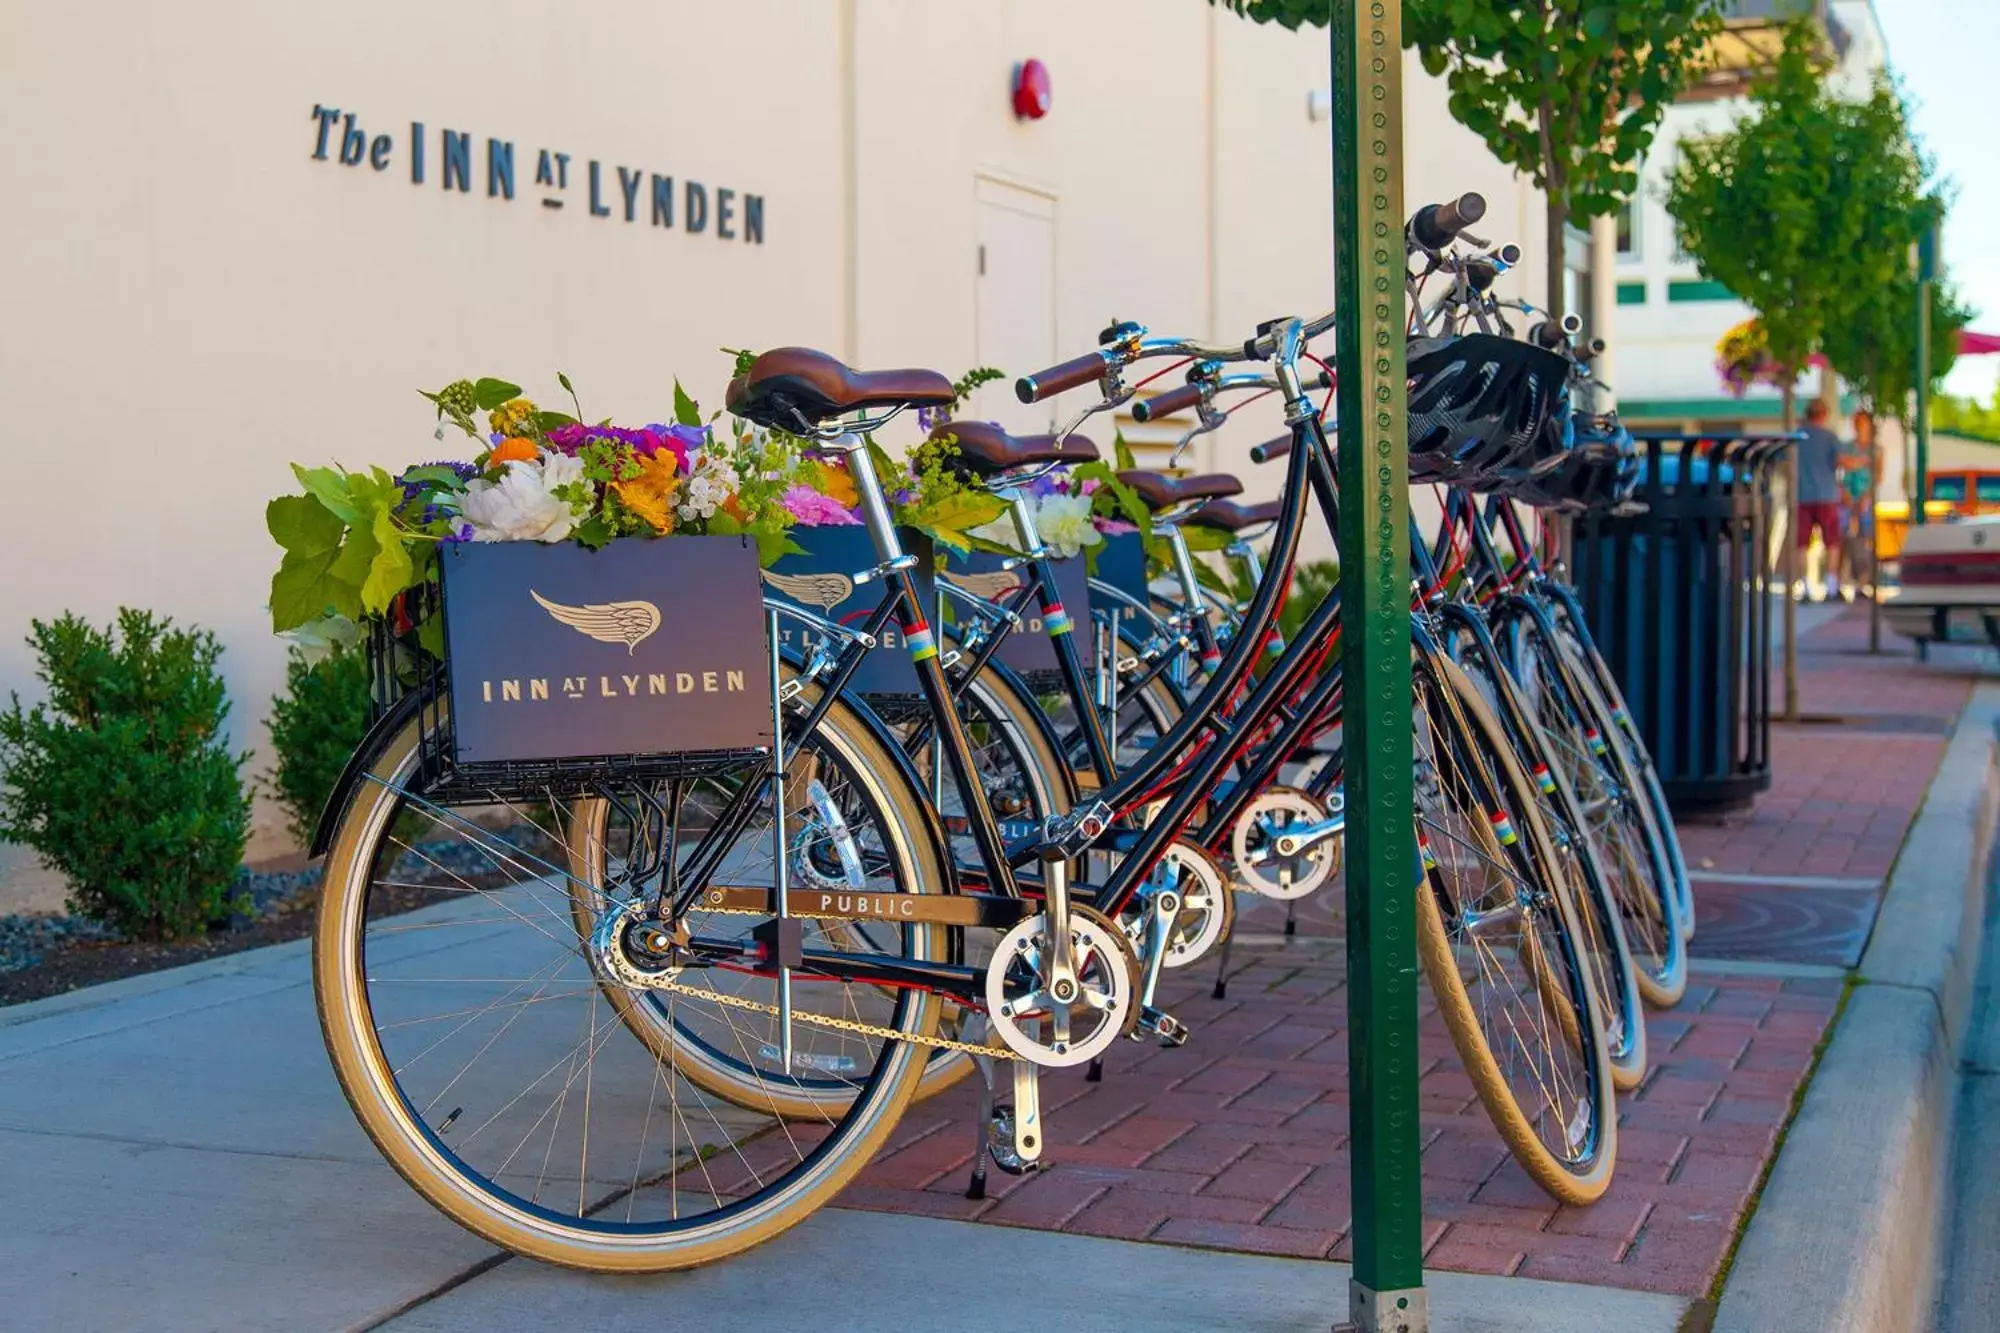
[{"x": 177, "y": 1156}]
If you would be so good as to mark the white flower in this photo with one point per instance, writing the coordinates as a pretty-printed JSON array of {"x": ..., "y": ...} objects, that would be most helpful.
[
  {"x": 713, "y": 482},
  {"x": 1064, "y": 524},
  {"x": 522, "y": 505},
  {"x": 1001, "y": 532},
  {"x": 319, "y": 639}
]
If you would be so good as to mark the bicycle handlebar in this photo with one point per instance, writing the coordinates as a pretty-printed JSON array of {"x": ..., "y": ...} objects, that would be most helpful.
[
  {"x": 1270, "y": 451},
  {"x": 1167, "y": 404},
  {"x": 1436, "y": 226},
  {"x": 1089, "y": 368},
  {"x": 1161, "y": 406}
]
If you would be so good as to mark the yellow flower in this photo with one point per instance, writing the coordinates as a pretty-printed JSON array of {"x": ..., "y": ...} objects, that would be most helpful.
[
  {"x": 832, "y": 481},
  {"x": 511, "y": 451},
  {"x": 512, "y": 417},
  {"x": 650, "y": 494}
]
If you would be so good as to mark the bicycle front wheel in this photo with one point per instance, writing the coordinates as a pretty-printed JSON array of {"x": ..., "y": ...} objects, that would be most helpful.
[
  {"x": 1497, "y": 935},
  {"x": 477, "y": 1041}
]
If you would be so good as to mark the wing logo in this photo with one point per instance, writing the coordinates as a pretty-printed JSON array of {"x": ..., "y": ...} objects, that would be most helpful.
[
  {"x": 629, "y": 623},
  {"x": 992, "y": 587},
  {"x": 822, "y": 590}
]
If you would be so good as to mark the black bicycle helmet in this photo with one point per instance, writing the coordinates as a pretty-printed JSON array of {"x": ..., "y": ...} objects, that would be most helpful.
[
  {"x": 1601, "y": 469},
  {"x": 1482, "y": 407}
]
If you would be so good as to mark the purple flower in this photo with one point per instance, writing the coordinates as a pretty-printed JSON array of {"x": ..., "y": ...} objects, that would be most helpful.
[
  {"x": 814, "y": 510},
  {"x": 463, "y": 534},
  {"x": 1049, "y": 483},
  {"x": 464, "y": 472},
  {"x": 1114, "y": 527}
]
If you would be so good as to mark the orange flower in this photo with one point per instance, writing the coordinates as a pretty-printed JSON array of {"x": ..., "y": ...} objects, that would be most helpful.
[
  {"x": 650, "y": 494},
  {"x": 835, "y": 484},
  {"x": 733, "y": 507},
  {"x": 512, "y": 450}
]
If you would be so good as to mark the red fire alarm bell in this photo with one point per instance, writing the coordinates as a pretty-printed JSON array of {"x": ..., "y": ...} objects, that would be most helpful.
[{"x": 1031, "y": 90}]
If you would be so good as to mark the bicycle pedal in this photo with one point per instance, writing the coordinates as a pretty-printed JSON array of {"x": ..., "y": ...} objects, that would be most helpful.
[{"x": 1170, "y": 1030}]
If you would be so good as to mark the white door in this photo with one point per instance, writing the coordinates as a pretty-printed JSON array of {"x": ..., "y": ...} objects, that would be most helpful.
[{"x": 1016, "y": 300}]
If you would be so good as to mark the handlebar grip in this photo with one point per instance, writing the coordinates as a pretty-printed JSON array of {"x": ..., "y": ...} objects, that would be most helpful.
[
  {"x": 1086, "y": 369},
  {"x": 1480, "y": 275},
  {"x": 1436, "y": 225},
  {"x": 1163, "y": 405},
  {"x": 1510, "y": 254},
  {"x": 1270, "y": 451},
  {"x": 1591, "y": 350},
  {"x": 1546, "y": 334}
]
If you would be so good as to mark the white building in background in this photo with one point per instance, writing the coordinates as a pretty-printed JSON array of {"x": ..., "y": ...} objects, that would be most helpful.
[
  {"x": 1668, "y": 317},
  {"x": 242, "y": 232}
]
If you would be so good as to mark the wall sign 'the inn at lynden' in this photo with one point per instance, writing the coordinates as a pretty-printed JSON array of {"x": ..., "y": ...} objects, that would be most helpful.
[{"x": 627, "y": 193}]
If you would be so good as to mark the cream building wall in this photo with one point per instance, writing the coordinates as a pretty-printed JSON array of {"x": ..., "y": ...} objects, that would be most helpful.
[{"x": 196, "y": 300}]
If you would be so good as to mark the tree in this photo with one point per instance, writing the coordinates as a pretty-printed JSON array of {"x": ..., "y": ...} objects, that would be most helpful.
[
  {"x": 1569, "y": 92},
  {"x": 1806, "y": 210}
]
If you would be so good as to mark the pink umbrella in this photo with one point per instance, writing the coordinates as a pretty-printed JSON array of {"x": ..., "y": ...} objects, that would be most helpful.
[{"x": 1977, "y": 344}]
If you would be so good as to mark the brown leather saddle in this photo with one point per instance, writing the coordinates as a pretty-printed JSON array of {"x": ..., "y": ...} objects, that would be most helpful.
[
  {"x": 1161, "y": 492},
  {"x": 1229, "y": 516},
  {"x": 791, "y": 388},
  {"x": 986, "y": 450}
]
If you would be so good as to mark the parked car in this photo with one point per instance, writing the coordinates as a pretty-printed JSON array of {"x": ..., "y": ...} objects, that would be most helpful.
[{"x": 1950, "y": 585}]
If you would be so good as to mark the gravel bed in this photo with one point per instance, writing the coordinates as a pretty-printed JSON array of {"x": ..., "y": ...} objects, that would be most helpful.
[{"x": 28, "y": 937}]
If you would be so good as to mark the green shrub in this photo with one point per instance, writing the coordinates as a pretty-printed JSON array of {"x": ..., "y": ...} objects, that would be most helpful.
[
  {"x": 315, "y": 725},
  {"x": 123, "y": 781}
]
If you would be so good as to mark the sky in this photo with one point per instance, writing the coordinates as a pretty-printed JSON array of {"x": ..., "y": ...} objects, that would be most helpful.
[{"x": 1943, "y": 50}]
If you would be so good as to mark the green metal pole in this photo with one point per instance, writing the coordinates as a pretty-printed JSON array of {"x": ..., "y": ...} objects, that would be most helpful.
[
  {"x": 1387, "y": 1289},
  {"x": 1926, "y": 271}
]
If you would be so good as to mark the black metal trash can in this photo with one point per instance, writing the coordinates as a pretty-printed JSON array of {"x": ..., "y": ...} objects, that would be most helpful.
[{"x": 1676, "y": 588}]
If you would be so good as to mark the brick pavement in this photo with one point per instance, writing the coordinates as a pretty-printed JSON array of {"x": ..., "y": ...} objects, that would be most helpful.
[{"x": 1239, "y": 1140}]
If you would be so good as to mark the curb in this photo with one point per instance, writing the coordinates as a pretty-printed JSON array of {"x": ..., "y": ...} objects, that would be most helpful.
[{"x": 1847, "y": 1232}]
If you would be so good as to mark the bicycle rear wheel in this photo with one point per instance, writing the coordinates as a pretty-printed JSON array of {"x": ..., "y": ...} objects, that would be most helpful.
[
  {"x": 1498, "y": 940},
  {"x": 1603, "y": 947},
  {"x": 1578, "y": 648},
  {"x": 475, "y": 1041},
  {"x": 1583, "y": 742}
]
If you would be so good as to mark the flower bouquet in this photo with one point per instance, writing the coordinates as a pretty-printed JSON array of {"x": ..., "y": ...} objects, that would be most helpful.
[
  {"x": 355, "y": 542},
  {"x": 1743, "y": 358}
]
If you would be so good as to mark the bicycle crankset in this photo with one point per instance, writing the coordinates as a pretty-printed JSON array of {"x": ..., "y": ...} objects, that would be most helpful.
[
  {"x": 1201, "y": 909},
  {"x": 1286, "y": 844},
  {"x": 1061, "y": 1030}
]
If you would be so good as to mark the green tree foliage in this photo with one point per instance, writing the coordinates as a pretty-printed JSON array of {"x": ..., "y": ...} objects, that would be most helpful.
[
  {"x": 123, "y": 780},
  {"x": 1967, "y": 416},
  {"x": 1806, "y": 210},
  {"x": 1873, "y": 344},
  {"x": 315, "y": 725},
  {"x": 1568, "y": 92}
]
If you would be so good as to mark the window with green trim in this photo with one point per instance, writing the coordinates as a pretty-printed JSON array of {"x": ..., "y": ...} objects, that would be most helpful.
[{"x": 1698, "y": 289}]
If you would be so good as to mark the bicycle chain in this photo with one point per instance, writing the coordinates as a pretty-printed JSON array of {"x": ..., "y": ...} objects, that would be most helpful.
[{"x": 837, "y": 1024}]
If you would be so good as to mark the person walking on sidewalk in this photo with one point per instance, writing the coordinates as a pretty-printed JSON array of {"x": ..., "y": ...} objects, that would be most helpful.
[
  {"x": 1857, "y": 477},
  {"x": 1816, "y": 508}
]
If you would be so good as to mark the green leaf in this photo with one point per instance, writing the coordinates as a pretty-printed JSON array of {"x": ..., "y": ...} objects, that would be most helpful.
[
  {"x": 1201, "y": 539},
  {"x": 357, "y": 554},
  {"x": 430, "y": 636},
  {"x": 302, "y": 524},
  {"x": 548, "y": 421},
  {"x": 490, "y": 394},
  {"x": 685, "y": 411},
  {"x": 330, "y": 487},
  {"x": 302, "y": 591},
  {"x": 434, "y": 474},
  {"x": 594, "y": 534},
  {"x": 773, "y": 546},
  {"x": 391, "y": 571}
]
